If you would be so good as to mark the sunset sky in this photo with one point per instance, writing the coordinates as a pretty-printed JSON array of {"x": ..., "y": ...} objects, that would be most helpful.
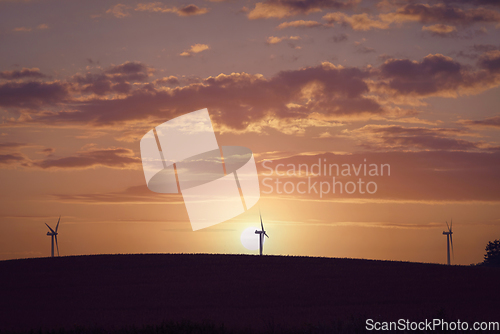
[{"x": 412, "y": 84}]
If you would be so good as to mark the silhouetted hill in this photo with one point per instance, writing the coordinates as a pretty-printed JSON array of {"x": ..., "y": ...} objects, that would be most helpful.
[{"x": 239, "y": 291}]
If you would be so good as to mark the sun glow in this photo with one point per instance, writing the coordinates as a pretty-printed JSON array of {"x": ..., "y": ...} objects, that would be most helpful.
[{"x": 249, "y": 239}]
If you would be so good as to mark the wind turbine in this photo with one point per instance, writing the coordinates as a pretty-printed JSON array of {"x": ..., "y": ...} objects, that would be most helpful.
[
  {"x": 261, "y": 234},
  {"x": 449, "y": 239},
  {"x": 53, "y": 234}
]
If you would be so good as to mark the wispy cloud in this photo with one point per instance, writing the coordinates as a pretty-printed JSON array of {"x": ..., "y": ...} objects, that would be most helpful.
[
  {"x": 122, "y": 10},
  {"x": 196, "y": 48},
  {"x": 158, "y": 7},
  {"x": 365, "y": 49},
  {"x": 22, "y": 29},
  {"x": 299, "y": 24},
  {"x": 340, "y": 38},
  {"x": 131, "y": 195},
  {"x": 361, "y": 22},
  {"x": 23, "y": 73},
  {"x": 442, "y": 14},
  {"x": 112, "y": 158},
  {"x": 395, "y": 137},
  {"x": 275, "y": 40},
  {"x": 285, "y": 8},
  {"x": 10, "y": 154},
  {"x": 42, "y": 26},
  {"x": 440, "y": 29},
  {"x": 119, "y": 11},
  {"x": 487, "y": 122},
  {"x": 490, "y": 61}
]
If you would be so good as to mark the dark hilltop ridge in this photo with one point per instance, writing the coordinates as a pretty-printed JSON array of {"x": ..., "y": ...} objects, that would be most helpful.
[{"x": 240, "y": 293}]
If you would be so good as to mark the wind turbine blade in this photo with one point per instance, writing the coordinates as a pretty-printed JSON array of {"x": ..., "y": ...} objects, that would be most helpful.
[
  {"x": 266, "y": 234},
  {"x": 57, "y": 226},
  {"x": 57, "y": 246},
  {"x": 50, "y": 228},
  {"x": 261, "y": 225},
  {"x": 451, "y": 225},
  {"x": 448, "y": 226}
]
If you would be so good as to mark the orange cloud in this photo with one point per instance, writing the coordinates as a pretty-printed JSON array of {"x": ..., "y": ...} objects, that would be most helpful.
[
  {"x": 312, "y": 96},
  {"x": 42, "y": 26},
  {"x": 170, "y": 80},
  {"x": 441, "y": 14},
  {"x": 119, "y": 11},
  {"x": 158, "y": 7},
  {"x": 24, "y": 73},
  {"x": 112, "y": 158},
  {"x": 22, "y": 29},
  {"x": 285, "y": 8},
  {"x": 275, "y": 40},
  {"x": 196, "y": 48},
  {"x": 299, "y": 24},
  {"x": 488, "y": 122},
  {"x": 307, "y": 97},
  {"x": 122, "y": 11},
  {"x": 357, "y": 22},
  {"x": 440, "y": 29}
]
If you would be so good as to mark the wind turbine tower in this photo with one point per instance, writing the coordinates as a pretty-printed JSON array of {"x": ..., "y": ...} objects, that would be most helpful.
[
  {"x": 261, "y": 234},
  {"x": 449, "y": 239},
  {"x": 53, "y": 234}
]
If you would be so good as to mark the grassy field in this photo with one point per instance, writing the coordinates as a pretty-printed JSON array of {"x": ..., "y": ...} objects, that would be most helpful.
[{"x": 202, "y": 293}]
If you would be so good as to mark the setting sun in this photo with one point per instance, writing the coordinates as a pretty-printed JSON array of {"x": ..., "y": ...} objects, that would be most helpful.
[{"x": 249, "y": 239}]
